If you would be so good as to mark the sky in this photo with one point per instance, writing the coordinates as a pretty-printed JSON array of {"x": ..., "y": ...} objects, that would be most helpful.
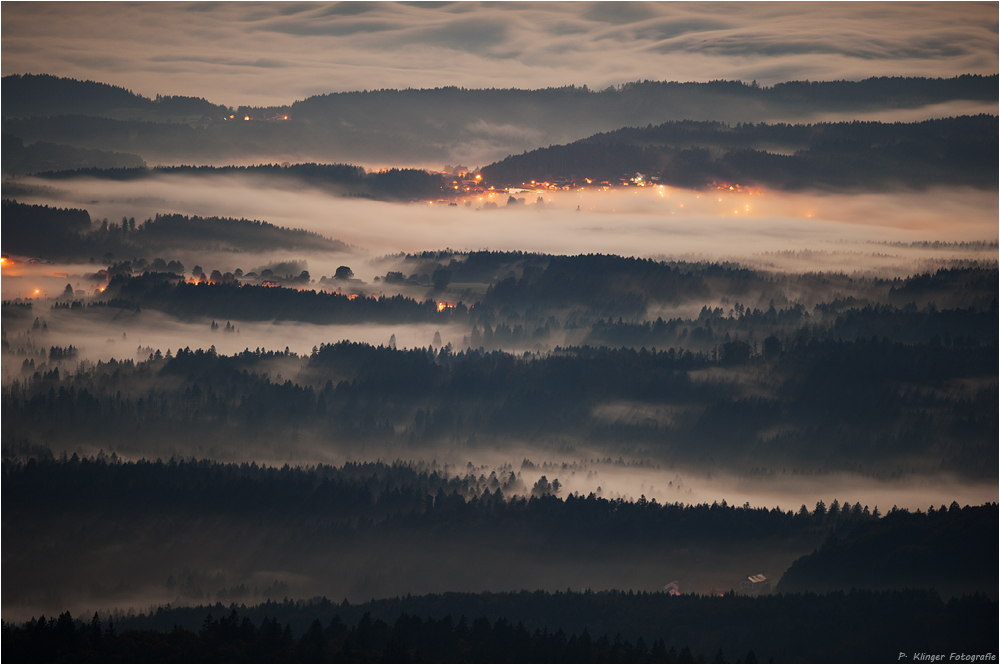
[{"x": 274, "y": 53}]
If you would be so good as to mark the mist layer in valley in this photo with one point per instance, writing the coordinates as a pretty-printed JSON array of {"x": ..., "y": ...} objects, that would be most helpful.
[
  {"x": 655, "y": 221},
  {"x": 190, "y": 532}
]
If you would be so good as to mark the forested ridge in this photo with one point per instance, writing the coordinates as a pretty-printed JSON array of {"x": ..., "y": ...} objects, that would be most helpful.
[
  {"x": 414, "y": 126},
  {"x": 870, "y": 156},
  {"x": 45, "y": 95},
  {"x": 71, "y": 234},
  {"x": 830, "y": 400},
  {"x": 881, "y": 553},
  {"x": 419, "y": 496},
  {"x": 458, "y": 510},
  {"x": 538, "y": 627},
  {"x": 19, "y": 159}
]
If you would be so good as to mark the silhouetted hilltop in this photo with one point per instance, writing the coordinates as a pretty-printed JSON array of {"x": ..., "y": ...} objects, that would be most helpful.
[
  {"x": 19, "y": 159},
  {"x": 605, "y": 627},
  {"x": 642, "y": 101},
  {"x": 847, "y": 155},
  {"x": 949, "y": 549},
  {"x": 31, "y": 95},
  {"x": 430, "y": 125},
  {"x": 69, "y": 233},
  {"x": 392, "y": 184}
]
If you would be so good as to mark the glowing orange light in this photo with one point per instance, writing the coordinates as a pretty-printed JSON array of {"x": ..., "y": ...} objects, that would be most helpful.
[
  {"x": 445, "y": 305},
  {"x": 246, "y": 117}
]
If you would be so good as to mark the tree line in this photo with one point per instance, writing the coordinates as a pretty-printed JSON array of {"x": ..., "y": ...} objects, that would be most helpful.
[{"x": 783, "y": 628}]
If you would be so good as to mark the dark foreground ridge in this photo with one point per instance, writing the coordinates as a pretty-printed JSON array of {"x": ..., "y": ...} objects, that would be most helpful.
[{"x": 529, "y": 627}]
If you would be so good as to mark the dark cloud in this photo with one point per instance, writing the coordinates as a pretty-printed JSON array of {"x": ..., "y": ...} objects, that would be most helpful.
[
  {"x": 674, "y": 28},
  {"x": 620, "y": 13},
  {"x": 186, "y": 58},
  {"x": 561, "y": 28},
  {"x": 266, "y": 63},
  {"x": 454, "y": 6},
  {"x": 292, "y": 8},
  {"x": 332, "y": 28},
  {"x": 202, "y": 6},
  {"x": 471, "y": 35}
]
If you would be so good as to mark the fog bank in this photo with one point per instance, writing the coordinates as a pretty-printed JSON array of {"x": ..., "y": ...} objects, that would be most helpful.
[{"x": 660, "y": 222}]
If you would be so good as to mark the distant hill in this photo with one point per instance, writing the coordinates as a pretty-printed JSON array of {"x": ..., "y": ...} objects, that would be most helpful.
[
  {"x": 32, "y": 95},
  {"x": 639, "y": 102},
  {"x": 57, "y": 233},
  {"x": 386, "y": 184},
  {"x": 446, "y": 125},
  {"x": 19, "y": 159},
  {"x": 846, "y": 155},
  {"x": 43, "y": 95},
  {"x": 948, "y": 549}
]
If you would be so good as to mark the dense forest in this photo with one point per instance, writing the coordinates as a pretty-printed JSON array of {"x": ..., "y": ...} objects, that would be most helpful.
[
  {"x": 386, "y": 184},
  {"x": 896, "y": 551},
  {"x": 533, "y": 628},
  {"x": 176, "y": 524},
  {"x": 342, "y": 179},
  {"x": 44, "y": 95},
  {"x": 798, "y": 401},
  {"x": 19, "y": 159},
  {"x": 69, "y": 234}
]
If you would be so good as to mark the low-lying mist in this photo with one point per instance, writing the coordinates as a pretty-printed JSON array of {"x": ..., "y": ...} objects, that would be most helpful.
[
  {"x": 650, "y": 221},
  {"x": 213, "y": 539},
  {"x": 102, "y": 334}
]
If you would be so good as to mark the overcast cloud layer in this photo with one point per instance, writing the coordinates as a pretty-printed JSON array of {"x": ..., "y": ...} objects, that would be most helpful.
[{"x": 275, "y": 53}]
